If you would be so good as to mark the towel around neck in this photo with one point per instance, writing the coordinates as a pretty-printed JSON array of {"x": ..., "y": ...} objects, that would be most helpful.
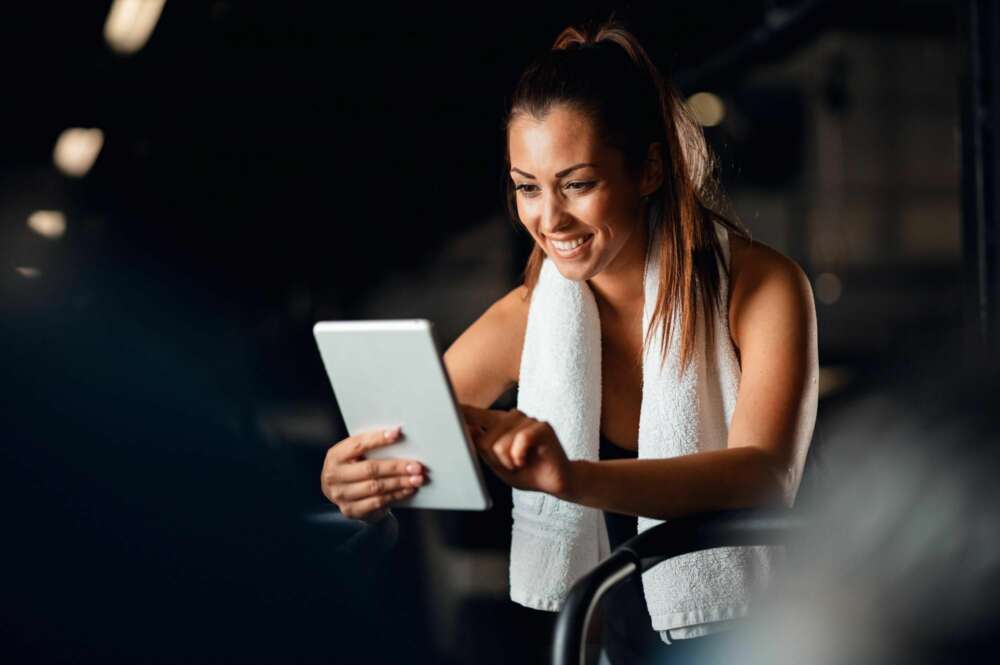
[{"x": 555, "y": 542}]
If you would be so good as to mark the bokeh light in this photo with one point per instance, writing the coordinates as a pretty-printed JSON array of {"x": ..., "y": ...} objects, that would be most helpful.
[
  {"x": 48, "y": 223},
  {"x": 76, "y": 150},
  {"x": 707, "y": 108}
]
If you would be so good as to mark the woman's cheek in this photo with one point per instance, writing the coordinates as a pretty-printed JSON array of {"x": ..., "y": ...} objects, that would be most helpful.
[
  {"x": 595, "y": 207},
  {"x": 524, "y": 215}
]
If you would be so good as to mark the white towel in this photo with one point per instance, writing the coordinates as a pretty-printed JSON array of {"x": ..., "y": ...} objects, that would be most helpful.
[{"x": 555, "y": 542}]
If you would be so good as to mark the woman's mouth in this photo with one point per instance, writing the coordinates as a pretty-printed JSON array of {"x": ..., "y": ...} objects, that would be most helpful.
[{"x": 572, "y": 248}]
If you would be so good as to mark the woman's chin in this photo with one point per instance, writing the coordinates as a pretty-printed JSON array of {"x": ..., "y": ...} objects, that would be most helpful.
[{"x": 578, "y": 272}]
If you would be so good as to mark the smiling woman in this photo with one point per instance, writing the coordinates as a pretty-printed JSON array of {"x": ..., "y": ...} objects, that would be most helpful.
[
  {"x": 596, "y": 101},
  {"x": 666, "y": 364},
  {"x": 584, "y": 215}
]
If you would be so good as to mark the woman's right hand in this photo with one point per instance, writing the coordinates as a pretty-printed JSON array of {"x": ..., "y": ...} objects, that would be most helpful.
[{"x": 363, "y": 488}]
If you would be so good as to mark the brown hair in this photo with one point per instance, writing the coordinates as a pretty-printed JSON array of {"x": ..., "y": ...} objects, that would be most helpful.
[{"x": 603, "y": 72}]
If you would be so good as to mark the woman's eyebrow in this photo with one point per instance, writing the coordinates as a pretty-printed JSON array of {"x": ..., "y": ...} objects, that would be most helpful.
[{"x": 558, "y": 175}]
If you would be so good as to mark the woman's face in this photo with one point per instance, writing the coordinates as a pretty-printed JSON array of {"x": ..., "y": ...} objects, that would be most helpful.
[{"x": 573, "y": 193}]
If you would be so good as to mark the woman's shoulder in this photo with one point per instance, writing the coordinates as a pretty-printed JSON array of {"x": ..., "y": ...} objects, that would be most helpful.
[
  {"x": 764, "y": 283},
  {"x": 756, "y": 259},
  {"x": 510, "y": 323},
  {"x": 513, "y": 306}
]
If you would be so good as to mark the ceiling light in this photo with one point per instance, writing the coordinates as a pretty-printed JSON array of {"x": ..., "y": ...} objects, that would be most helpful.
[
  {"x": 47, "y": 223},
  {"x": 130, "y": 23},
  {"x": 77, "y": 149}
]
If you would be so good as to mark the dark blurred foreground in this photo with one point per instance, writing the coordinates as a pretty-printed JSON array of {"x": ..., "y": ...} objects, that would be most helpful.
[
  {"x": 144, "y": 522},
  {"x": 902, "y": 562}
]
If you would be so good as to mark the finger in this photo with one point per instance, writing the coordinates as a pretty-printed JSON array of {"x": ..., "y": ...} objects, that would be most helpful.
[
  {"x": 492, "y": 461},
  {"x": 489, "y": 458},
  {"x": 371, "y": 469},
  {"x": 501, "y": 449},
  {"x": 355, "y": 446},
  {"x": 368, "y": 488},
  {"x": 485, "y": 418},
  {"x": 373, "y": 503},
  {"x": 525, "y": 440},
  {"x": 508, "y": 421}
]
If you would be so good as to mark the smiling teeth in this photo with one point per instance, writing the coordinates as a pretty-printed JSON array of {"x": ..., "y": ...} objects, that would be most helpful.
[{"x": 566, "y": 246}]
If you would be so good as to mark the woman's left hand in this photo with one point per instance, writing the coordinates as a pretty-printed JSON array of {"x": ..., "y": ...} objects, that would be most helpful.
[{"x": 524, "y": 452}]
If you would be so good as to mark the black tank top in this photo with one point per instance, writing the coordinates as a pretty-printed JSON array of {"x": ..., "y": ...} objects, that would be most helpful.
[
  {"x": 620, "y": 527},
  {"x": 627, "y": 636}
]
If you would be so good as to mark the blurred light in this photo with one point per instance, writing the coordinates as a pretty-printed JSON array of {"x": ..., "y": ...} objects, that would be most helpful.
[
  {"x": 48, "y": 223},
  {"x": 130, "y": 23},
  {"x": 28, "y": 272},
  {"x": 707, "y": 108},
  {"x": 77, "y": 149},
  {"x": 828, "y": 288}
]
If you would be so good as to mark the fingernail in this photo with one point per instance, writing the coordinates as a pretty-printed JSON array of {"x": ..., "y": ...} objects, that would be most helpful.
[
  {"x": 412, "y": 468},
  {"x": 391, "y": 432},
  {"x": 417, "y": 480}
]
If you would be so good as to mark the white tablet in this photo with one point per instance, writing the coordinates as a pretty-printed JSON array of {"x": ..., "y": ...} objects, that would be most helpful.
[{"x": 387, "y": 373}]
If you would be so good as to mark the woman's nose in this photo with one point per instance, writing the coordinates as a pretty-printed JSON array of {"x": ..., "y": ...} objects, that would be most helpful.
[{"x": 553, "y": 215}]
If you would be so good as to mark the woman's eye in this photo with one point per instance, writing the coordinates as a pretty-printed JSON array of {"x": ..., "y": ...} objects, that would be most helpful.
[{"x": 577, "y": 185}]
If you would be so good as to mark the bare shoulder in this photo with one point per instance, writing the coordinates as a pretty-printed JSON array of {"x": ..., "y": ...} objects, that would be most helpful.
[
  {"x": 758, "y": 260},
  {"x": 484, "y": 361},
  {"x": 765, "y": 285}
]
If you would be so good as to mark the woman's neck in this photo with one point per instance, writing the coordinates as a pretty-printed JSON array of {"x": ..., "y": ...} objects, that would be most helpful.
[{"x": 618, "y": 289}]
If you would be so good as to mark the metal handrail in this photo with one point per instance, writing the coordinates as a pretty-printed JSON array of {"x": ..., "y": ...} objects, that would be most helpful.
[{"x": 748, "y": 526}]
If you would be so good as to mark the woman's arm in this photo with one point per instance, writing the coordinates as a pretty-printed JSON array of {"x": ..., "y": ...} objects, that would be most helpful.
[
  {"x": 485, "y": 360},
  {"x": 773, "y": 323}
]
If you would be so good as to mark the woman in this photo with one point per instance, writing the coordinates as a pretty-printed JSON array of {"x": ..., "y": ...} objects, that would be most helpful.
[{"x": 606, "y": 169}]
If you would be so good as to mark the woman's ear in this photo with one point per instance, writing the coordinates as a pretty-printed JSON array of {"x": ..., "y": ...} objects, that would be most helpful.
[{"x": 652, "y": 170}]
